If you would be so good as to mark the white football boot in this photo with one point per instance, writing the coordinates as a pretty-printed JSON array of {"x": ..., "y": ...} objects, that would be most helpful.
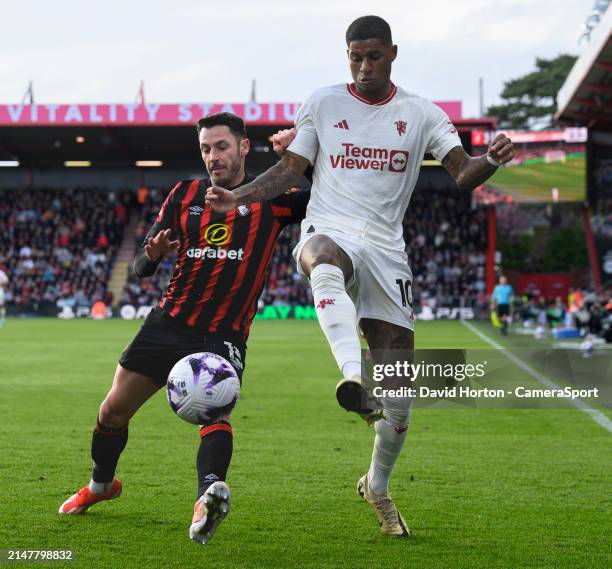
[
  {"x": 209, "y": 511},
  {"x": 390, "y": 520}
]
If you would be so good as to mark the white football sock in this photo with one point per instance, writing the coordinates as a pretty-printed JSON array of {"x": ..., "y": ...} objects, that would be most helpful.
[
  {"x": 388, "y": 444},
  {"x": 349, "y": 369},
  {"x": 337, "y": 316},
  {"x": 99, "y": 487}
]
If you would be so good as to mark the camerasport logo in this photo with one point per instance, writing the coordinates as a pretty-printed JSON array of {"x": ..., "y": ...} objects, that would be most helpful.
[
  {"x": 355, "y": 157},
  {"x": 217, "y": 234}
]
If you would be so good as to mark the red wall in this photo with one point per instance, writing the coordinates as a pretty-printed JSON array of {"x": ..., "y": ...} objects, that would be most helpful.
[{"x": 551, "y": 285}]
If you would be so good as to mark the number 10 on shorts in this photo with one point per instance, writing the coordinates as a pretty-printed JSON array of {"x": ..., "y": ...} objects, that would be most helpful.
[{"x": 405, "y": 288}]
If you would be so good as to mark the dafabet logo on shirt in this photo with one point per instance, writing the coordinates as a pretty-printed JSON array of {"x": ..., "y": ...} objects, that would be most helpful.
[
  {"x": 217, "y": 234},
  {"x": 355, "y": 157}
]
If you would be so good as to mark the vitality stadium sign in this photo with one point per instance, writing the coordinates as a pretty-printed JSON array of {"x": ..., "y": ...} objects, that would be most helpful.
[
  {"x": 143, "y": 115},
  {"x": 154, "y": 114}
]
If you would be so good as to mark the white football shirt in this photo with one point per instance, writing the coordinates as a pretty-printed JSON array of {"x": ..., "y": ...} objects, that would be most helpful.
[{"x": 367, "y": 158}]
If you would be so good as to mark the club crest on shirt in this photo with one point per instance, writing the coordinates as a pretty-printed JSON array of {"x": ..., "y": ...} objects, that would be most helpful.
[
  {"x": 243, "y": 210},
  {"x": 401, "y": 127}
]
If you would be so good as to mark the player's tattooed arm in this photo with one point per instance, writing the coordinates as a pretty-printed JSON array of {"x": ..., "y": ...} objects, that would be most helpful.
[
  {"x": 281, "y": 141},
  {"x": 276, "y": 180},
  {"x": 469, "y": 172}
]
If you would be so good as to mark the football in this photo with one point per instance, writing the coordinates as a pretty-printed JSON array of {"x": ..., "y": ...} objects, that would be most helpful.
[{"x": 202, "y": 387}]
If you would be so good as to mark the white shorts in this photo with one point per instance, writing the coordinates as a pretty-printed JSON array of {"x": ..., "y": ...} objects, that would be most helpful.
[
  {"x": 381, "y": 287},
  {"x": 1, "y": 297}
]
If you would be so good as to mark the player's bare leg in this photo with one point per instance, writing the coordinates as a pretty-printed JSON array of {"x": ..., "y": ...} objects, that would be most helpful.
[
  {"x": 388, "y": 343},
  {"x": 329, "y": 269},
  {"x": 130, "y": 390}
]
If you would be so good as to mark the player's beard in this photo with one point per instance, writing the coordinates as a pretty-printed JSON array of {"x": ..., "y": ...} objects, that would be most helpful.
[{"x": 228, "y": 178}]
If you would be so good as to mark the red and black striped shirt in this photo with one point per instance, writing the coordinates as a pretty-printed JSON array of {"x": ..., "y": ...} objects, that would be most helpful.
[{"x": 222, "y": 259}]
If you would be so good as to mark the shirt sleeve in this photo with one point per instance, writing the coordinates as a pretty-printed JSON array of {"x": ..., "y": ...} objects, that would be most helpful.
[
  {"x": 495, "y": 292},
  {"x": 306, "y": 143},
  {"x": 290, "y": 207},
  {"x": 142, "y": 266},
  {"x": 443, "y": 134}
]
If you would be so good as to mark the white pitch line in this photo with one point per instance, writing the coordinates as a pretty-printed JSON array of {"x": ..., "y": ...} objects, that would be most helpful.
[{"x": 596, "y": 415}]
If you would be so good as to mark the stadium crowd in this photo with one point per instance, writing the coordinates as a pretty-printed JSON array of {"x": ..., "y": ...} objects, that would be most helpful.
[
  {"x": 446, "y": 241},
  {"x": 147, "y": 292},
  {"x": 58, "y": 246}
]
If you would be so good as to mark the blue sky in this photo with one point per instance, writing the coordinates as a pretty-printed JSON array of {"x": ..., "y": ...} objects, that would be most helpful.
[{"x": 204, "y": 51}]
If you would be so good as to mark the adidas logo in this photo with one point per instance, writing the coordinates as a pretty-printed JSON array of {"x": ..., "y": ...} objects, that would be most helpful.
[
  {"x": 311, "y": 229},
  {"x": 342, "y": 124}
]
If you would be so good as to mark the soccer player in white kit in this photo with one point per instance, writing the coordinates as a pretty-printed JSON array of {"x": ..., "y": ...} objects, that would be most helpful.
[
  {"x": 3, "y": 282},
  {"x": 366, "y": 141}
]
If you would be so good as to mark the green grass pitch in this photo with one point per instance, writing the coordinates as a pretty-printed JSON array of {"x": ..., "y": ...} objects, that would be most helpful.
[
  {"x": 533, "y": 182},
  {"x": 480, "y": 488}
]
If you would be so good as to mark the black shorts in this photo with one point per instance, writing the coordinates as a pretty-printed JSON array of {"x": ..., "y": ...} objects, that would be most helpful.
[
  {"x": 503, "y": 310},
  {"x": 160, "y": 343}
]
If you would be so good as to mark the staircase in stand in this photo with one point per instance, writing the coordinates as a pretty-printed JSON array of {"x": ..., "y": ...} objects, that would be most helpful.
[{"x": 125, "y": 257}]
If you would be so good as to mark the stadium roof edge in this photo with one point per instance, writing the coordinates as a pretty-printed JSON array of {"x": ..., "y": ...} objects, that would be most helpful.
[{"x": 585, "y": 97}]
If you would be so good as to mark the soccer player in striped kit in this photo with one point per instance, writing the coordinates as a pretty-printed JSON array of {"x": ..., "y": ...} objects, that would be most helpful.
[
  {"x": 221, "y": 265},
  {"x": 366, "y": 141}
]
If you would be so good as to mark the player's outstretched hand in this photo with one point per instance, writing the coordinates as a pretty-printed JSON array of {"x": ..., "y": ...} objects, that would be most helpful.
[
  {"x": 501, "y": 149},
  {"x": 282, "y": 139},
  {"x": 160, "y": 245},
  {"x": 220, "y": 199}
]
